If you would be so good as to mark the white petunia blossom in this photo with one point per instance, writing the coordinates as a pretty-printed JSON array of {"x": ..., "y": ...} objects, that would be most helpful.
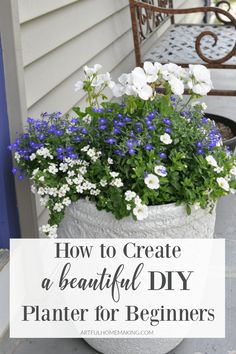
[
  {"x": 211, "y": 161},
  {"x": 166, "y": 139},
  {"x": 160, "y": 170},
  {"x": 152, "y": 181},
  {"x": 141, "y": 212},
  {"x": 137, "y": 201},
  {"x": 110, "y": 161},
  {"x": 223, "y": 183},
  {"x": 233, "y": 171}
]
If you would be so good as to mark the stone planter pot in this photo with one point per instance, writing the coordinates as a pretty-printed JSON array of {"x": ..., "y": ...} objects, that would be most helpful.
[
  {"x": 83, "y": 220},
  {"x": 231, "y": 143}
]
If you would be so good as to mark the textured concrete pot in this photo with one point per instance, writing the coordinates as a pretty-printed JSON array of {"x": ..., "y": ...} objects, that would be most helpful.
[{"x": 83, "y": 220}]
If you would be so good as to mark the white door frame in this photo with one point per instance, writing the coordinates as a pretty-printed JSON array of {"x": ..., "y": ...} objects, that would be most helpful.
[{"x": 16, "y": 105}]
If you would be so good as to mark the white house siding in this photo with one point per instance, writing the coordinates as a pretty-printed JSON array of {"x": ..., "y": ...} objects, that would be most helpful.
[{"x": 59, "y": 37}]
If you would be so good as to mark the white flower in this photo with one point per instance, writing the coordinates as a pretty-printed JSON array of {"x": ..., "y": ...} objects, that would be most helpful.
[
  {"x": 218, "y": 169},
  {"x": 44, "y": 152},
  {"x": 50, "y": 231},
  {"x": 87, "y": 119},
  {"x": 79, "y": 85},
  {"x": 160, "y": 170},
  {"x": 128, "y": 207},
  {"x": 200, "y": 80},
  {"x": 95, "y": 191},
  {"x": 211, "y": 161},
  {"x": 152, "y": 181},
  {"x": 110, "y": 161},
  {"x": 233, "y": 171},
  {"x": 69, "y": 181},
  {"x": 58, "y": 207},
  {"x": 17, "y": 157},
  {"x": 169, "y": 70},
  {"x": 114, "y": 174},
  {"x": 103, "y": 182},
  {"x": 82, "y": 170},
  {"x": 223, "y": 183},
  {"x": 32, "y": 157},
  {"x": 52, "y": 191},
  {"x": 63, "y": 190},
  {"x": 91, "y": 152},
  {"x": 41, "y": 191},
  {"x": 129, "y": 195},
  {"x": 166, "y": 139},
  {"x": 71, "y": 173},
  {"x": 63, "y": 167},
  {"x": 151, "y": 71},
  {"x": 101, "y": 79},
  {"x": 42, "y": 179},
  {"x": 177, "y": 86},
  {"x": 117, "y": 182},
  {"x": 139, "y": 84},
  {"x": 91, "y": 71},
  {"x": 141, "y": 212},
  {"x": 137, "y": 201},
  {"x": 43, "y": 201},
  {"x": 85, "y": 148},
  {"x": 52, "y": 168},
  {"x": 66, "y": 201},
  {"x": 79, "y": 189},
  {"x": 34, "y": 173}
]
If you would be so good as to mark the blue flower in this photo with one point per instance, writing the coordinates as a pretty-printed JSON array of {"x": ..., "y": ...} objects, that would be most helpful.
[
  {"x": 162, "y": 155},
  {"x": 132, "y": 151},
  {"x": 14, "y": 170},
  {"x": 60, "y": 150},
  {"x": 148, "y": 147},
  {"x": 102, "y": 127},
  {"x": 200, "y": 152},
  {"x": 30, "y": 120},
  {"x": 168, "y": 130},
  {"x": 59, "y": 132},
  {"x": 102, "y": 120},
  {"x": 167, "y": 121},
  {"x": 111, "y": 141}
]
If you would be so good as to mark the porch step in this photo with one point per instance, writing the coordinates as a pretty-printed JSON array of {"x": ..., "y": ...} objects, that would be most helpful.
[{"x": 4, "y": 291}]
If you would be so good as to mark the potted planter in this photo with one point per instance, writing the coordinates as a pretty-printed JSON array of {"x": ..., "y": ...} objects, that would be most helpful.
[
  {"x": 150, "y": 166},
  {"x": 227, "y": 128},
  {"x": 83, "y": 220}
]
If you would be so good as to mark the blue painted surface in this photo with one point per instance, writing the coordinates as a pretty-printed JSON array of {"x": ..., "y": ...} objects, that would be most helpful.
[{"x": 9, "y": 224}]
